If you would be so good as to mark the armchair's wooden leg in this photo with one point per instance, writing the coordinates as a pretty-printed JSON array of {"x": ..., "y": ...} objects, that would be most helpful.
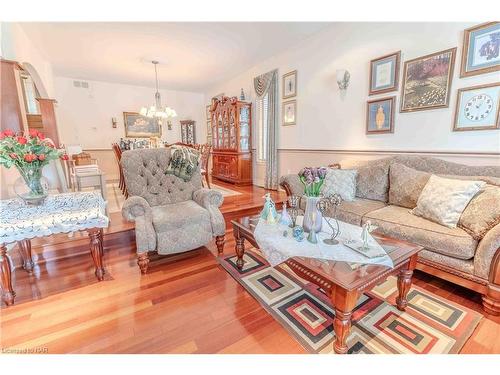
[
  {"x": 143, "y": 262},
  {"x": 220, "y": 241}
]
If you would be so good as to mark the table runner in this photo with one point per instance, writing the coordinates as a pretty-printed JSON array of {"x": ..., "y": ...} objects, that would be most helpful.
[
  {"x": 276, "y": 248},
  {"x": 60, "y": 213}
]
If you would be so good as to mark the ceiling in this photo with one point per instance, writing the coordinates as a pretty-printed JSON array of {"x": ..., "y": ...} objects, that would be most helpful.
[{"x": 193, "y": 55}]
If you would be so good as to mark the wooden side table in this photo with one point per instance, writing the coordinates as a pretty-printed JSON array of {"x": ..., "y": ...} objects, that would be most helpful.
[{"x": 60, "y": 213}]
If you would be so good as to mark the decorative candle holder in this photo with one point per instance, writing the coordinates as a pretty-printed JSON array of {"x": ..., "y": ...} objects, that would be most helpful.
[
  {"x": 294, "y": 209},
  {"x": 324, "y": 204}
]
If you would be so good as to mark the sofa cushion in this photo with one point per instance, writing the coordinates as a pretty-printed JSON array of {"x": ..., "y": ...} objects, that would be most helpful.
[
  {"x": 352, "y": 212},
  {"x": 443, "y": 199},
  {"x": 398, "y": 222},
  {"x": 482, "y": 213},
  {"x": 340, "y": 181},
  {"x": 372, "y": 181},
  {"x": 463, "y": 265},
  {"x": 179, "y": 215},
  {"x": 405, "y": 185}
]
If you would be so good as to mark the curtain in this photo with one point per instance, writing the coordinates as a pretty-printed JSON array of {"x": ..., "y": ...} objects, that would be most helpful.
[{"x": 268, "y": 84}]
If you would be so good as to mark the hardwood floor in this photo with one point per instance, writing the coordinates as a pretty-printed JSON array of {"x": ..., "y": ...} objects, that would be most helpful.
[{"x": 185, "y": 304}]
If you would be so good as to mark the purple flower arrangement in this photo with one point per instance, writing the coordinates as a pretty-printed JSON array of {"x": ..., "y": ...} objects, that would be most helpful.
[{"x": 313, "y": 179}]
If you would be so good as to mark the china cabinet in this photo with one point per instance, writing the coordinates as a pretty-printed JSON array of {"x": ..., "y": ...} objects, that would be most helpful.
[
  {"x": 188, "y": 132},
  {"x": 231, "y": 140}
]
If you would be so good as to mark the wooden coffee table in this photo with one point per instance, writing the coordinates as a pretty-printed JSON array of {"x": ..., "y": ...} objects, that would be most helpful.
[{"x": 343, "y": 284}]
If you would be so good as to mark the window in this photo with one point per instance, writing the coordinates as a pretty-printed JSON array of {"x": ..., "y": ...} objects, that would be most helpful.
[
  {"x": 30, "y": 93},
  {"x": 262, "y": 115}
]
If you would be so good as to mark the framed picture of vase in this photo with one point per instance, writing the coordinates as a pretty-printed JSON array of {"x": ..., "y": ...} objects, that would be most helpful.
[
  {"x": 384, "y": 73},
  {"x": 289, "y": 112},
  {"x": 478, "y": 108},
  {"x": 380, "y": 115},
  {"x": 427, "y": 81},
  {"x": 139, "y": 126},
  {"x": 481, "y": 49},
  {"x": 290, "y": 85}
]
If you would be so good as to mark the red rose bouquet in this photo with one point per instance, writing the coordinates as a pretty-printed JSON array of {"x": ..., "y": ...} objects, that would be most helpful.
[{"x": 29, "y": 154}]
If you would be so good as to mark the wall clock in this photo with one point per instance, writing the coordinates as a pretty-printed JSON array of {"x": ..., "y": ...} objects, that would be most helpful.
[{"x": 478, "y": 108}]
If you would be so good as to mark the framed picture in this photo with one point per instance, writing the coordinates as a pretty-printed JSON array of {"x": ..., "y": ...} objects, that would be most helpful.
[
  {"x": 427, "y": 81},
  {"x": 290, "y": 85},
  {"x": 481, "y": 49},
  {"x": 384, "y": 73},
  {"x": 289, "y": 112},
  {"x": 478, "y": 108},
  {"x": 138, "y": 126},
  {"x": 380, "y": 115}
]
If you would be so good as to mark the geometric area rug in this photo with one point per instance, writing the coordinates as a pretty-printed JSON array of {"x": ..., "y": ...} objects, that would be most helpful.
[{"x": 430, "y": 323}]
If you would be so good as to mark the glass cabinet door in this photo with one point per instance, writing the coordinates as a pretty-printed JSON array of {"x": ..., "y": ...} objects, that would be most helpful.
[
  {"x": 244, "y": 129},
  {"x": 232, "y": 131},
  {"x": 219, "y": 131}
]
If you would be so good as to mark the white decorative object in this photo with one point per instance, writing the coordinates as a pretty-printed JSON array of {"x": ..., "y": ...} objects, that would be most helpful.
[
  {"x": 343, "y": 78},
  {"x": 60, "y": 213},
  {"x": 443, "y": 199},
  {"x": 276, "y": 248},
  {"x": 340, "y": 181}
]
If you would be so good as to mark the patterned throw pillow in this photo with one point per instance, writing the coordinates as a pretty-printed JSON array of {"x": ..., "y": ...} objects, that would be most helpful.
[
  {"x": 482, "y": 213},
  {"x": 443, "y": 200},
  {"x": 183, "y": 162},
  {"x": 405, "y": 185},
  {"x": 340, "y": 181}
]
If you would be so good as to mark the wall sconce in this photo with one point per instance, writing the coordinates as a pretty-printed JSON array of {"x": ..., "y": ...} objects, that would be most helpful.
[
  {"x": 343, "y": 77},
  {"x": 114, "y": 122}
]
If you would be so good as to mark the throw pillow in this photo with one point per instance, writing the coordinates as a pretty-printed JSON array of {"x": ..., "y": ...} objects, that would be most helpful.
[
  {"x": 183, "y": 162},
  {"x": 372, "y": 181},
  {"x": 482, "y": 213},
  {"x": 405, "y": 185},
  {"x": 340, "y": 181},
  {"x": 443, "y": 200}
]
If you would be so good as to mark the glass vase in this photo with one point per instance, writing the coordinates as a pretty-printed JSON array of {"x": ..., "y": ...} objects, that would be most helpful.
[
  {"x": 32, "y": 187},
  {"x": 312, "y": 216}
]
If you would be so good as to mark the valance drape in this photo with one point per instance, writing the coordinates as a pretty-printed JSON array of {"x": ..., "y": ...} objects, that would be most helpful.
[{"x": 268, "y": 84}]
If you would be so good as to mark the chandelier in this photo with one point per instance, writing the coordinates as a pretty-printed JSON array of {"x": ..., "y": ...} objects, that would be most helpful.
[{"x": 156, "y": 110}]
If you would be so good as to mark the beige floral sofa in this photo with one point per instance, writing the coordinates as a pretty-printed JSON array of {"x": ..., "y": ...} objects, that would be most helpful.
[{"x": 385, "y": 188}]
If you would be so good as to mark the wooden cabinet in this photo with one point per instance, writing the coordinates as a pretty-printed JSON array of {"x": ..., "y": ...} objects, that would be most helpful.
[
  {"x": 231, "y": 139},
  {"x": 188, "y": 135}
]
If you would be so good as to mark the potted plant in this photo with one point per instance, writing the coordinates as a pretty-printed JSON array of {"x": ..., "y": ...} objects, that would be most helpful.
[
  {"x": 29, "y": 154},
  {"x": 313, "y": 179}
]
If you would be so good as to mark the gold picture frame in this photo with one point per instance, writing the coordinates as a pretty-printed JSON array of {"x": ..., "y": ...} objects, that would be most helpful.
[
  {"x": 496, "y": 122},
  {"x": 391, "y": 101},
  {"x": 418, "y": 84},
  {"x": 139, "y": 126},
  {"x": 396, "y": 56},
  {"x": 290, "y": 77},
  {"x": 465, "y": 70},
  {"x": 289, "y": 118}
]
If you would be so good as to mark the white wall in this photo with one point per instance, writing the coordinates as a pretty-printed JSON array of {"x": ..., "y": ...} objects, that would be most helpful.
[
  {"x": 84, "y": 115},
  {"x": 326, "y": 119}
]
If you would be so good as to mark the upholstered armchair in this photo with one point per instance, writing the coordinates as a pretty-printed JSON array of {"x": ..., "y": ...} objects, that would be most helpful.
[{"x": 171, "y": 215}]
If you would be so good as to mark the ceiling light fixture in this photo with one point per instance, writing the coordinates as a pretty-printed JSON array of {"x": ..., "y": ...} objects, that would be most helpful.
[{"x": 157, "y": 110}]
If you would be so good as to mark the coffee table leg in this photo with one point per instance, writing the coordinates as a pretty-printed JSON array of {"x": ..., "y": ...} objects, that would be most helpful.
[
  {"x": 8, "y": 293},
  {"x": 25, "y": 250},
  {"x": 239, "y": 248},
  {"x": 344, "y": 302},
  {"x": 96, "y": 251},
  {"x": 404, "y": 283}
]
